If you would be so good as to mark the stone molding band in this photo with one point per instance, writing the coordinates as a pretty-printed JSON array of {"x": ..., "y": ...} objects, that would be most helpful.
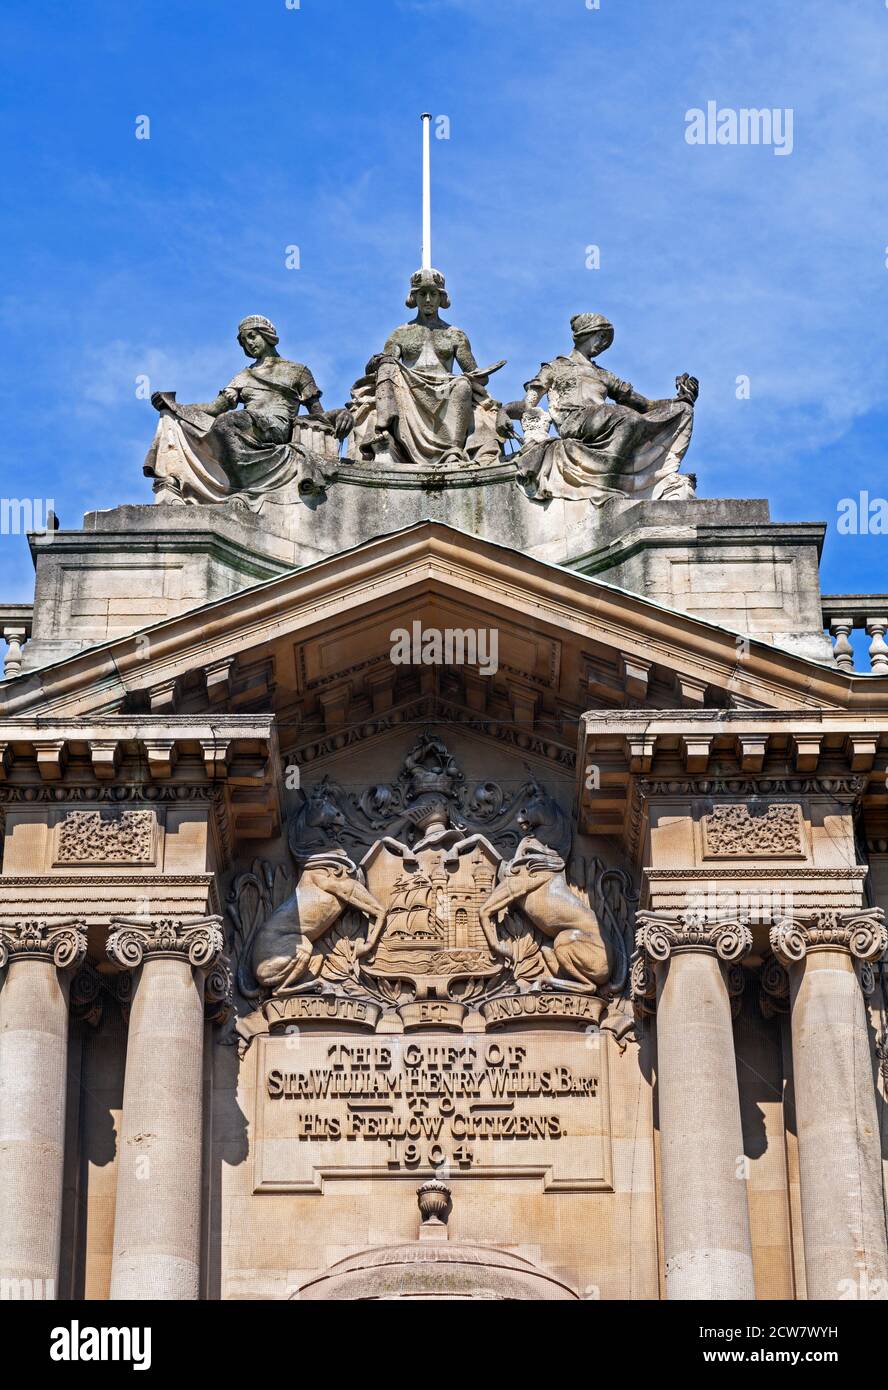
[
  {"x": 62, "y": 942},
  {"x": 860, "y": 931},
  {"x": 132, "y": 939}
]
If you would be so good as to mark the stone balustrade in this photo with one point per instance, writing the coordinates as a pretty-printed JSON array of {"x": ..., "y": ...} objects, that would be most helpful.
[
  {"x": 843, "y": 613},
  {"x": 15, "y": 624}
]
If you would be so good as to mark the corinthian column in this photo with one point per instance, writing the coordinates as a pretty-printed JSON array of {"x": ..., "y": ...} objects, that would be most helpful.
[
  {"x": 705, "y": 1216},
  {"x": 33, "y": 1071},
  {"x": 843, "y": 1209},
  {"x": 157, "y": 1215}
]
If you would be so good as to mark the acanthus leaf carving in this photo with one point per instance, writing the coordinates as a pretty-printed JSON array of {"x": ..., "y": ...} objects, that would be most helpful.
[
  {"x": 737, "y": 830},
  {"x": 96, "y": 837}
]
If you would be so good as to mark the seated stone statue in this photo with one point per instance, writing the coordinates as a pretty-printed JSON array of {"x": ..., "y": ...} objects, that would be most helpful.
[
  {"x": 213, "y": 452},
  {"x": 631, "y": 448},
  {"x": 411, "y": 407}
]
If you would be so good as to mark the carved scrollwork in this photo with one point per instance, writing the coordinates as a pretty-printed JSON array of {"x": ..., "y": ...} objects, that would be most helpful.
[
  {"x": 219, "y": 991},
  {"x": 642, "y": 984},
  {"x": 860, "y": 931},
  {"x": 659, "y": 934},
  {"x": 131, "y": 940},
  {"x": 87, "y": 995},
  {"x": 735, "y": 981},
  {"x": 63, "y": 942},
  {"x": 774, "y": 987}
]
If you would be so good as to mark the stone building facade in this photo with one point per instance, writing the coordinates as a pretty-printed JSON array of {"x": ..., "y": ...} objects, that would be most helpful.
[{"x": 548, "y": 967}]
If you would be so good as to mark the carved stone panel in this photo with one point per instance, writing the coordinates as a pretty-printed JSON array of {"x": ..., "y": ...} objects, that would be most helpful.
[
  {"x": 106, "y": 837},
  {"x": 513, "y": 1105},
  {"x": 738, "y": 831}
]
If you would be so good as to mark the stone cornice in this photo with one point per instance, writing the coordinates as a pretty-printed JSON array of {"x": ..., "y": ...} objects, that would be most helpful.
[
  {"x": 480, "y": 575},
  {"x": 201, "y": 943},
  {"x": 45, "y": 760},
  {"x": 63, "y": 943},
  {"x": 861, "y": 932}
]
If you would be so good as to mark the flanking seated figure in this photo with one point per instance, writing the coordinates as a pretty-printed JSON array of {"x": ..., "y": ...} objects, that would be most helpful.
[
  {"x": 411, "y": 407},
  {"x": 215, "y": 451},
  {"x": 611, "y": 441}
]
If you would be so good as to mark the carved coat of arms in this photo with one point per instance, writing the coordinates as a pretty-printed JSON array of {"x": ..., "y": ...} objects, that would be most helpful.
[
  {"x": 402, "y": 895},
  {"x": 434, "y": 894}
]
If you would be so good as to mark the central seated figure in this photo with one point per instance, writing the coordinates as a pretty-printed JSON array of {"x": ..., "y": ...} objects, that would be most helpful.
[{"x": 411, "y": 408}]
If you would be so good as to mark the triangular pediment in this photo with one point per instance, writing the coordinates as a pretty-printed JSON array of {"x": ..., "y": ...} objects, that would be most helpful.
[{"x": 315, "y": 647}]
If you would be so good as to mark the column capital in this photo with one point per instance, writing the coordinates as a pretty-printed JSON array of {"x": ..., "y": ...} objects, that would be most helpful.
[
  {"x": 62, "y": 942},
  {"x": 662, "y": 934},
  {"x": 219, "y": 991},
  {"x": 773, "y": 987},
  {"x": 859, "y": 931},
  {"x": 201, "y": 943}
]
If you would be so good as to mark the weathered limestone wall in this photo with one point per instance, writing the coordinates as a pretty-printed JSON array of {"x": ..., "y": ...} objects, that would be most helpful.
[{"x": 603, "y": 1244}]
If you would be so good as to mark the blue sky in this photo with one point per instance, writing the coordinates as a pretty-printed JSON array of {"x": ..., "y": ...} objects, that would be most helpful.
[{"x": 273, "y": 127}]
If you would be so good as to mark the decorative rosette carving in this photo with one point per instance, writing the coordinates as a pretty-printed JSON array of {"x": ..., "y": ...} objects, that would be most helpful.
[
  {"x": 658, "y": 934},
  {"x": 860, "y": 931},
  {"x": 63, "y": 942},
  {"x": 201, "y": 942}
]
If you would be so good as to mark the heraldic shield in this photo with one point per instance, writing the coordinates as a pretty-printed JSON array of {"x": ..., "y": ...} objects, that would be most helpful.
[{"x": 432, "y": 933}]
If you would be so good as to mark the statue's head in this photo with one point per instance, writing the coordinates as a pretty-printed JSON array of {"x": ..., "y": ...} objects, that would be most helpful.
[
  {"x": 592, "y": 333},
  {"x": 256, "y": 334},
  {"x": 427, "y": 291}
]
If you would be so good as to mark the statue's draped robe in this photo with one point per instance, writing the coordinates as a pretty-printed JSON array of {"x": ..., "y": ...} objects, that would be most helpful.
[
  {"x": 606, "y": 448},
  {"x": 419, "y": 396},
  {"x": 247, "y": 453}
]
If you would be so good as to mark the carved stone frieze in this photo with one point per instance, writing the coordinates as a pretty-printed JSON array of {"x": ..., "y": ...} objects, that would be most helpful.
[
  {"x": 131, "y": 940},
  {"x": 62, "y": 942},
  {"x": 736, "y": 830},
  {"x": 114, "y": 793},
  {"x": 91, "y": 837},
  {"x": 843, "y": 789},
  {"x": 840, "y": 787},
  {"x": 433, "y": 709},
  {"x": 860, "y": 931}
]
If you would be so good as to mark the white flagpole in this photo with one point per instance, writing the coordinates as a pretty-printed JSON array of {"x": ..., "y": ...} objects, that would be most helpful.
[{"x": 426, "y": 193}]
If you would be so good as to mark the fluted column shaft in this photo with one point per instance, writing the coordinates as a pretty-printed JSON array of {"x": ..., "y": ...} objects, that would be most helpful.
[
  {"x": 33, "y": 1074},
  {"x": 157, "y": 1214},
  {"x": 840, "y": 1162},
  {"x": 708, "y": 1248}
]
